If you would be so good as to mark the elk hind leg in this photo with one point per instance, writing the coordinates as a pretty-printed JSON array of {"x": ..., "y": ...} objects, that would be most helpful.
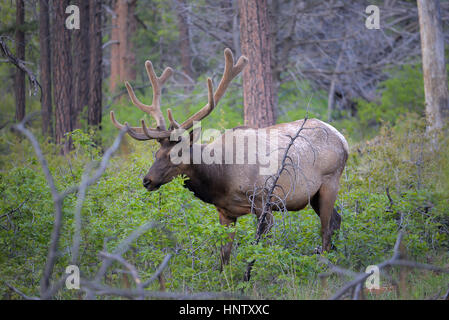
[{"x": 323, "y": 204}]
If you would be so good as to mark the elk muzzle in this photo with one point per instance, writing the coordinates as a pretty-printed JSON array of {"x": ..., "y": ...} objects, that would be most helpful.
[{"x": 150, "y": 184}]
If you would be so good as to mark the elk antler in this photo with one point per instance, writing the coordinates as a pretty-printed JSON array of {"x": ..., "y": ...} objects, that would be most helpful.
[
  {"x": 145, "y": 133},
  {"x": 230, "y": 72},
  {"x": 154, "y": 109}
]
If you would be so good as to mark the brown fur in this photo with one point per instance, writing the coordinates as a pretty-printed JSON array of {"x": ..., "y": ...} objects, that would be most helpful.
[
  {"x": 322, "y": 155},
  {"x": 319, "y": 153}
]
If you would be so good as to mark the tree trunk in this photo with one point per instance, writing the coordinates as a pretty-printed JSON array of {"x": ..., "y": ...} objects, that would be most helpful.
[
  {"x": 81, "y": 63},
  {"x": 131, "y": 73},
  {"x": 257, "y": 76},
  {"x": 19, "y": 84},
  {"x": 62, "y": 75},
  {"x": 115, "y": 49},
  {"x": 123, "y": 36},
  {"x": 45, "y": 67},
  {"x": 236, "y": 28},
  {"x": 123, "y": 59},
  {"x": 184, "y": 40},
  {"x": 434, "y": 67},
  {"x": 331, "y": 93},
  {"x": 95, "y": 65}
]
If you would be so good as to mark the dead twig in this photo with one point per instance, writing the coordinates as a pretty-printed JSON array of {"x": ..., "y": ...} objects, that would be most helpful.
[
  {"x": 58, "y": 198},
  {"x": 396, "y": 260},
  {"x": 94, "y": 287},
  {"x": 20, "y": 293},
  {"x": 21, "y": 65},
  {"x": 267, "y": 192}
]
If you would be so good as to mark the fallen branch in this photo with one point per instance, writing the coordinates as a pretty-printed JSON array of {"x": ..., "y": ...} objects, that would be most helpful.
[
  {"x": 94, "y": 287},
  {"x": 20, "y": 293},
  {"x": 357, "y": 283}
]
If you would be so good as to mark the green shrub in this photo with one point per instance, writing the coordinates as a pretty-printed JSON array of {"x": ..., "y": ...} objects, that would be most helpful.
[{"x": 189, "y": 228}]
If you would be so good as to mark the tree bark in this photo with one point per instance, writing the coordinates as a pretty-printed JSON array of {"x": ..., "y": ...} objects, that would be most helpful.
[
  {"x": 62, "y": 75},
  {"x": 115, "y": 49},
  {"x": 184, "y": 40},
  {"x": 123, "y": 36},
  {"x": 95, "y": 65},
  {"x": 123, "y": 59},
  {"x": 434, "y": 66},
  {"x": 259, "y": 109},
  {"x": 45, "y": 67},
  {"x": 131, "y": 72},
  {"x": 81, "y": 63},
  {"x": 19, "y": 84},
  {"x": 331, "y": 93}
]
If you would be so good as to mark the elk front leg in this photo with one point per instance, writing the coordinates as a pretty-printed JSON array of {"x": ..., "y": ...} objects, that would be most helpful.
[{"x": 226, "y": 249}]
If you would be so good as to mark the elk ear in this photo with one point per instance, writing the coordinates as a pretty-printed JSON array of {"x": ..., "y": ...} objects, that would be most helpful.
[
  {"x": 168, "y": 142},
  {"x": 164, "y": 142},
  {"x": 194, "y": 136}
]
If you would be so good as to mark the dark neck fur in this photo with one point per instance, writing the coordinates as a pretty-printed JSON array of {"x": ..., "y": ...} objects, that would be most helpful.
[{"x": 205, "y": 181}]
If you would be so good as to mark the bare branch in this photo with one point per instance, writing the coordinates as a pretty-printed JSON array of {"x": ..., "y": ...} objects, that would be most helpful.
[
  {"x": 357, "y": 283},
  {"x": 126, "y": 264},
  {"x": 20, "y": 293},
  {"x": 21, "y": 65},
  {"x": 268, "y": 194}
]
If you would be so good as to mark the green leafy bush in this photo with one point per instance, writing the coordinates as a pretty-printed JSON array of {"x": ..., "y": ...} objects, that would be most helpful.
[
  {"x": 115, "y": 206},
  {"x": 401, "y": 93}
]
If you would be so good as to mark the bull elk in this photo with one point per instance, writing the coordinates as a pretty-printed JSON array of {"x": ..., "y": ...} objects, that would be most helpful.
[{"x": 321, "y": 156}]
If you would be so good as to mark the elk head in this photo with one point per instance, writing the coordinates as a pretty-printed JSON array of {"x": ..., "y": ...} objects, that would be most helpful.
[{"x": 163, "y": 169}]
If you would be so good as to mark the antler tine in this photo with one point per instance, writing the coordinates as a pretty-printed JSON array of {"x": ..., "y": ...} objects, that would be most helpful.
[
  {"x": 143, "y": 133},
  {"x": 120, "y": 126},
  {"x": 203, "y": 112},
  {"x": 210, "y": 94},
  {"x": 135, "y": 132},
  {"x": 157, "y": 83},
  {"x": 230, "y": 72},
  {"x": 173, "y": 123},
  {"x": 154, "y": 133},
  {"x": 136, "y": 102}
]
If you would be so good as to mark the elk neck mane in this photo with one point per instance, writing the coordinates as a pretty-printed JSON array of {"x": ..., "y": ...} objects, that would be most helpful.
[{"x": 207, "y": 182}]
